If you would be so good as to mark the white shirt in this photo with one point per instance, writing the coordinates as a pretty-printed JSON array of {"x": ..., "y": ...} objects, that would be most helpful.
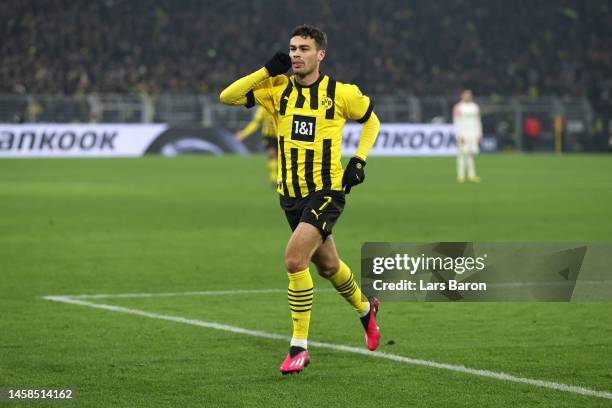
[{"x": 466, "y": 118}]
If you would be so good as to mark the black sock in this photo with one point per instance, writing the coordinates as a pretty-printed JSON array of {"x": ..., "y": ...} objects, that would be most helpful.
[
  {"x": 365, "y": 320},
  {"x": 295, "y": 350}
]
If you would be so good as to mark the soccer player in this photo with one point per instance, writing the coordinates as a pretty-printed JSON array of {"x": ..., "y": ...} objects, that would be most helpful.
[
  {"x": 466, "y": 118},
  {"x": 311, "y": 109},
  {"x": 268, "y": 130}
]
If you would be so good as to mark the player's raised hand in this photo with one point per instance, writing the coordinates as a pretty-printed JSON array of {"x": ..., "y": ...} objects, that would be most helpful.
[
  {"x": 239, "y": 136},
  {"x": 278, "y": 64},
  {"x": 353, "y": 174}
]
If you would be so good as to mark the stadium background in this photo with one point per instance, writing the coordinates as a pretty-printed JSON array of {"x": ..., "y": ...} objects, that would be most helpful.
[
  {"x": 142, "y": 61},
  {"x": 155, "y": 225}
]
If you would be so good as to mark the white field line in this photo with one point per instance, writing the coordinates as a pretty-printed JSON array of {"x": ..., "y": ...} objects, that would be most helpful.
[
  {"x": 172, "y": 294},
  {"x": 338, "y": 347},
  {"x": 259, "y": 291}
]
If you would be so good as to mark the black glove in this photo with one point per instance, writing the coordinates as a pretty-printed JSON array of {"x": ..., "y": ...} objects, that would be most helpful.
[
  {"x": 278, "y": 64},
  {"x": 353, "y": 174}
]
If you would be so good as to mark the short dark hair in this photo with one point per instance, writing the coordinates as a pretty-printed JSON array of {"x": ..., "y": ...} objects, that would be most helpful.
[{"x": 313, "y": 32}]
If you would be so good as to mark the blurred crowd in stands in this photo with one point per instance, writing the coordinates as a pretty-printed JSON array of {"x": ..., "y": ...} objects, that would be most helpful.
[{"x": 544, "y": 47}]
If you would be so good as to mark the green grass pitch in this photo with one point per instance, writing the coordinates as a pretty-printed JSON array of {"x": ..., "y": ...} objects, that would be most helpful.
[{"x": 70, "y": 227}]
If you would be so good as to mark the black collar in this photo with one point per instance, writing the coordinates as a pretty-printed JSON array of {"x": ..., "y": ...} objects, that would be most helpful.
[{"x": 315, "y": 83}]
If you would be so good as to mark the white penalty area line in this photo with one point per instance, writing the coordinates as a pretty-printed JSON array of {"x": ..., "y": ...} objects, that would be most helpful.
[
  {"x": 173, "y": 294},
  {"x": 339, "y": 347}
]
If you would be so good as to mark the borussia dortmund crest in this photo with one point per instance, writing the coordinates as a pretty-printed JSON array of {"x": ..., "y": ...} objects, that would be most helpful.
[{"x": 327, "y": 102}]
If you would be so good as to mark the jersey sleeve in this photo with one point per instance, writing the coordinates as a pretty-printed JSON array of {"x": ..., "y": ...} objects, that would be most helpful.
[
  {"x": 266, "y": 92},
  {"x": 261, "y": 95},
  {"x": 240, "y": 92},
  {"x": 356, "y": 105}
]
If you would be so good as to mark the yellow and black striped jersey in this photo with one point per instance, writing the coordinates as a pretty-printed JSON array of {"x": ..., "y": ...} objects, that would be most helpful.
[
  {"x": 265, "y": 120},
  {"x": 310, "y": 120}
]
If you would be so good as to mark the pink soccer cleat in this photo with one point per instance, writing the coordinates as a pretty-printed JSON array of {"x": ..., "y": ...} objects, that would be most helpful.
[
  {"x": 295, "y": 364},
  {"x": 372, "y": 332}
]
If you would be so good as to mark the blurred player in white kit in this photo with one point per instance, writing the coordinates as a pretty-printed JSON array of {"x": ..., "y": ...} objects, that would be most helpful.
[{"x": 466, "y": 118}]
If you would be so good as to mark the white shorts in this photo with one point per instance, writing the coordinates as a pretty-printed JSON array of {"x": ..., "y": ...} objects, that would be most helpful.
[{"x": 469, "y": 145}]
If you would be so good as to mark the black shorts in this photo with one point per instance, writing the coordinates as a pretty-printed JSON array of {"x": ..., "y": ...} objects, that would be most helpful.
[
  {"x": 320, "y": 209},
  {"x": 269, "y": 142}
]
